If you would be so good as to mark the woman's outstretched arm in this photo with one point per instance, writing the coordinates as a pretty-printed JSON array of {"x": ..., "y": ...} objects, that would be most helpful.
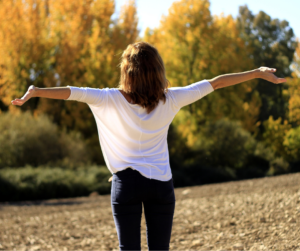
[
  {"x": 236, "y": 78},
  {"x": 53, "y": 93}
]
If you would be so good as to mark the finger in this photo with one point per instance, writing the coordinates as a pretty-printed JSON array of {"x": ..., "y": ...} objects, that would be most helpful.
[
  {"x": 17, "y": 102},
  {"x": 271, "y": 70},
  {"x": 280, "y": 80},
  {"x": 14, "y": 103}
]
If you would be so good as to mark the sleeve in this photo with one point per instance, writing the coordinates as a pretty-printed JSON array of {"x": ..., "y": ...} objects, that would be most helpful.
[
  {"x": 91, "y": 96},
  {"x": 186, "y": 95}
]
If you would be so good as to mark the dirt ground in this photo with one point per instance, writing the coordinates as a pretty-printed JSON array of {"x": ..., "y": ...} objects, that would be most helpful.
[{"x": 258, "y": 214}]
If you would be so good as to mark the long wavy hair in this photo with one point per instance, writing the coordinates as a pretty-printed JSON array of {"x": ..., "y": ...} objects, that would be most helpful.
[{"x": 143, "y": 75}]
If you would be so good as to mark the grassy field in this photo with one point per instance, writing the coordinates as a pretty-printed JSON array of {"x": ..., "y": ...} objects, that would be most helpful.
[{"x": 258, "y": 214}]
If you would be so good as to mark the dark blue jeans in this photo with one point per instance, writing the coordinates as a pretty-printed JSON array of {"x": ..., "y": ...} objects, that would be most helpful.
[{"x": 130, "y": 190}]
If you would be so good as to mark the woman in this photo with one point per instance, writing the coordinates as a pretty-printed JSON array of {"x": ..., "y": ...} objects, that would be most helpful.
[{"x": 133, "y": 122}]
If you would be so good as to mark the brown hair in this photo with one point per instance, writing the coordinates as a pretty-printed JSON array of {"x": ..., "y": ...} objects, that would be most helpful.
[{"x": 143, "y": 75}]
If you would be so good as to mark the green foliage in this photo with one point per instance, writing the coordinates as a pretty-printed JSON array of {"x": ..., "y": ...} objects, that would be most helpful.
[
  {"x": 37, "y": 141},
  {"x": 274, "y": 136},
  {"x": 294, "y": 96},
  {"x": 292, "y": 144},
  {"x": 283, "y": 140},
  {"x": 220, "y": 151},
  {"x": 225, "y": 143},
  {"x": 271, "y": 43},
  {"x": 30, "y": 183}
]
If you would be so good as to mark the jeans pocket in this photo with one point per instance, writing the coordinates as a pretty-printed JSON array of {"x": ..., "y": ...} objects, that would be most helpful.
[{"x": 124, "y": 189}]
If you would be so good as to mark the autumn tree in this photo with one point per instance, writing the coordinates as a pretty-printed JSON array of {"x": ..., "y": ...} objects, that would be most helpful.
[
  {"x": 58, "y": 43},
  {"x": 23, "y": 49},
  {"x": 196, "y": 46}
]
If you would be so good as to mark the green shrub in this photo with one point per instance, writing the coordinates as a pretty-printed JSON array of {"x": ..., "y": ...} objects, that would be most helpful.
[
  {"x": 278, "y": 166},
  {"x": 25, "y": 139},
  {"x": 222, "y": 151},
  {"x": 40, "y": 183},
  {"x": 225, "y": 143}
]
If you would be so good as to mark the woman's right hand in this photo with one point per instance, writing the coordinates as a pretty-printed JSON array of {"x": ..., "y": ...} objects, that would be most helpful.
[{"x": 29, "y": 94}]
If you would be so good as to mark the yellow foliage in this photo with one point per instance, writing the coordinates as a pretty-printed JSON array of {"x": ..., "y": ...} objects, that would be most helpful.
[
  {"x": 196, "y": 46},
  {"x": 186, "y": 124},
  {"x": 294, "y": 100},
  {"x": 50, "y": 43}
]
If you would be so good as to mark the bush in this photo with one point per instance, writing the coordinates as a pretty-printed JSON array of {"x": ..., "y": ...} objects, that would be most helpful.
[
  {"x": 37, "y": 141},
  {"x": 41, "y": 183},
  {"x": 225, "y": 143},
  {"x": 221, "y": 151},
  {"x": 278, "y": 166}
]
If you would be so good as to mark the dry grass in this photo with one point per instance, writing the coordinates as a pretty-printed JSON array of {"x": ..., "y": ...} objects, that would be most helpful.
[{"x": 260, "y": 214}]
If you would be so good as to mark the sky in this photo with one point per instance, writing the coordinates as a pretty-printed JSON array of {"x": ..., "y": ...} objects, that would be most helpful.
[{"x": 150, "y": 11}]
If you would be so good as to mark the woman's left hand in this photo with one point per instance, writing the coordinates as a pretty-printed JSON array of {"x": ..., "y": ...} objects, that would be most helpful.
[{"x": 267, "y": 73}]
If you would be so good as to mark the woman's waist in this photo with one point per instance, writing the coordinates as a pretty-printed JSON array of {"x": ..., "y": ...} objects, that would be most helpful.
[{"x": 162, "y": 173}]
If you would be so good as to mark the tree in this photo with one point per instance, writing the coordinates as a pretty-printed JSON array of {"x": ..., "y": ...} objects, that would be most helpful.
[
  {"x": 62, "y": 42},
  {"x": 23, "y": 47},
  {"x": 274, "y": 135},
  {"x": 197, "y": 46},
  {"x": 272, "y": 43},
  {"x": 294, "y": 90}
]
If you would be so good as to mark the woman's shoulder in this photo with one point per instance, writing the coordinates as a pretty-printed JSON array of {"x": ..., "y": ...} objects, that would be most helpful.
[
  {"x": 170, "y": 93},
  {"x": 103, "y": 91}
]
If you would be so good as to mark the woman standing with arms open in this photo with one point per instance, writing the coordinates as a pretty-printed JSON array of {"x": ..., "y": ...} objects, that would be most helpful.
[{"x": 133, "y": 122}]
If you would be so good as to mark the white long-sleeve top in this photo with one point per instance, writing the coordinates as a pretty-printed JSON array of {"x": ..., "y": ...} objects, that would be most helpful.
[{"x": 129, "y": 137}]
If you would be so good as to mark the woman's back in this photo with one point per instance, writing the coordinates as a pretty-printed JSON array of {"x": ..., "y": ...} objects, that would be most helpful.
[{"x": 132, "y": 137}]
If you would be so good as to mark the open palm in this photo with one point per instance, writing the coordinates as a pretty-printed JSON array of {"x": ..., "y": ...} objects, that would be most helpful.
[
  {"x": 268, "y": 74},
  {"x": 29, "y": 94}
]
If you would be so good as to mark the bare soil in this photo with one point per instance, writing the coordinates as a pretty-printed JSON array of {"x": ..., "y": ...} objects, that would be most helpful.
[{"x": 258, "y": 214}]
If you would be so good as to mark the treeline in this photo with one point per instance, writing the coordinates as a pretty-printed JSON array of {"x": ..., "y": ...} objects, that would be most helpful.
[{"x": 243, "y": 131}]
